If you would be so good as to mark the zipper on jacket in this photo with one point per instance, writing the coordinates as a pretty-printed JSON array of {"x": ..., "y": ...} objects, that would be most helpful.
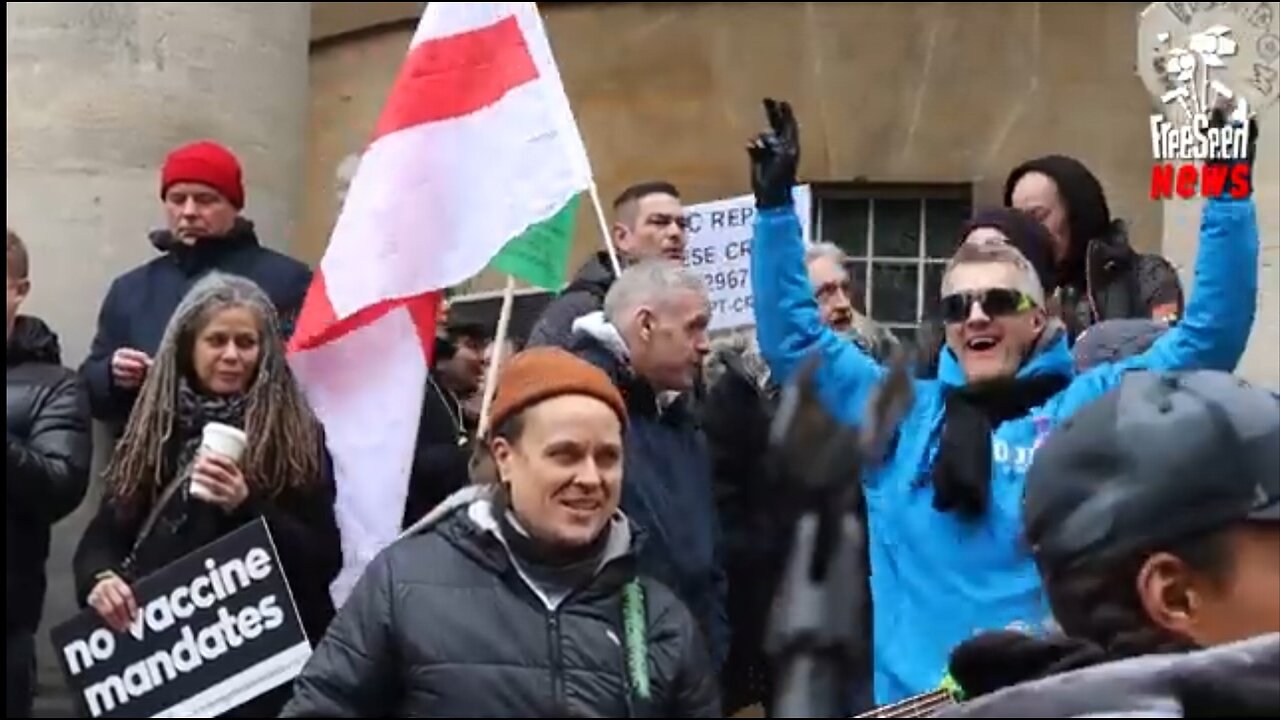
[{"x": 557, "y": 672}]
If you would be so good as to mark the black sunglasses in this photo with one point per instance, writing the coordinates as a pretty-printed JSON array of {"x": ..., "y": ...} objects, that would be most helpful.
[{"x": 995, "y": 302}]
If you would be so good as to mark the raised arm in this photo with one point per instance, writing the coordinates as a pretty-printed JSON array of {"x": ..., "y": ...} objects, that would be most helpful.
[
  {"x": 788, "y": 326},
  {"x": 1224, "y": 297}
]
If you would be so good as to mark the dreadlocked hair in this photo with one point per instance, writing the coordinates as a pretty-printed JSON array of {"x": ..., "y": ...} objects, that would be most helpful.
[
  {"x": 286, "y": 440},
  {"x": 1099, "y": 602}
]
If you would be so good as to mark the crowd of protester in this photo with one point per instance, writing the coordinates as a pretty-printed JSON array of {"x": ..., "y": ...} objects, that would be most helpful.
[{"x": 1079, "y": 480}]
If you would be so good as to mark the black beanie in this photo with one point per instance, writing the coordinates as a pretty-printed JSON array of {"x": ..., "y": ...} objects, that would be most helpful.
[
  {"x": 1024, "y": 233},
  {"x": 1086, "y": 206}
]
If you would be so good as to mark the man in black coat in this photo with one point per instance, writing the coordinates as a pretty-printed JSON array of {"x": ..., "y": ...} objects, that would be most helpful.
[
  {"x": 446, "y": 426},
  {"x": 48, "y": 450},
  {"x": 649, "y": 223},
  {"x": 203, "y": 193}
]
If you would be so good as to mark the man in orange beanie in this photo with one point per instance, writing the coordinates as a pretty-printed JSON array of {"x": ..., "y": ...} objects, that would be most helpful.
[{"x": 202, "y": 190}]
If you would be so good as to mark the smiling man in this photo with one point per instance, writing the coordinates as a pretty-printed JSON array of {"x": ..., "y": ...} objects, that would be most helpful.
[
  {"x": 947, "y": 552},
  {"x": 203, "y": 194}
]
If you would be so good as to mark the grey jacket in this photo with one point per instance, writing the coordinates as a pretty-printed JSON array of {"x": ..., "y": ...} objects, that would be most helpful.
[{"x": 1237, "y": 680}]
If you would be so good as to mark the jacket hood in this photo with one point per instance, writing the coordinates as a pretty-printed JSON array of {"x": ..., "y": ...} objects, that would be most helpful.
[
  {"x": 594, "y": 326},
  {"x": 1086, "y": 206},
  {"x": 1051, "y": 356},
  {"x": 738, "y": 355},
  {"x": 205, "y": 251},
  {"x": 595, "y": 275},
  {"x": 472, "y": 507},
  {"x": 33, "y": 341}
]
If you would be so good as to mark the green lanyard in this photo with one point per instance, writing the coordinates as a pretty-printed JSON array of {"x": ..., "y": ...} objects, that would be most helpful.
[{"x": 635, "y": 627}]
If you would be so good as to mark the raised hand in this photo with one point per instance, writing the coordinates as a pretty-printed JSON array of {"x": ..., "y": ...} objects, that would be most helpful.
[{"x": 775, "y": 156}]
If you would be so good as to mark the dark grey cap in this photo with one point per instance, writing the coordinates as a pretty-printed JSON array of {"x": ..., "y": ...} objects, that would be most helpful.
[
  {"x": 1160, "y": 457},
  {"x": 1115, "y": 340}
]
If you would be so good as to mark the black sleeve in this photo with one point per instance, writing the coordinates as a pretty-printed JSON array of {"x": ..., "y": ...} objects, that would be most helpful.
[
  {"x": 305, "y": 531},
  {"x": 104, "y": 546},
  {"x": 696, "y": 692},
  {"x": 555, "y": 326},
  {"x": 352, "y": 672},
  {"x": 109, "y": 403},
  {"x": 48, "y": 472}
]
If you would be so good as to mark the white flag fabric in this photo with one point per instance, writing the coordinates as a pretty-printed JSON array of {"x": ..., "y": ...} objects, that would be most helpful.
[{"x": 475, "y": 144}]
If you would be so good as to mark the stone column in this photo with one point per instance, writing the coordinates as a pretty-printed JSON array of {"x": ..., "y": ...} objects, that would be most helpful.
[{"x": 97, "y": 93}]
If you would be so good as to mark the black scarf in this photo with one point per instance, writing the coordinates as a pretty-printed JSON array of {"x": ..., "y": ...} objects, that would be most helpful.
[
  {"x": 539, "y": 553},
  {"x": 185, "y": 523},
  {"x": 962, "y": 473}
]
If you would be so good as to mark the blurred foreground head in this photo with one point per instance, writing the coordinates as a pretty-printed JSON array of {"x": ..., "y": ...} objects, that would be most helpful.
[{"x": 1154, "y": 514}]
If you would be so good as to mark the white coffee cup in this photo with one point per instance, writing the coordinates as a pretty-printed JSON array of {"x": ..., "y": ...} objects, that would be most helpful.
[{"x": 224, "y": 440}]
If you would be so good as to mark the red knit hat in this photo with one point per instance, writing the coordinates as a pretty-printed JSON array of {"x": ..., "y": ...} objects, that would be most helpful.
[{"x": 207, "y": 163}]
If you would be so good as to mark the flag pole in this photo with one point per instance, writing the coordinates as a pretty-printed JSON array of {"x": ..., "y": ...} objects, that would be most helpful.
[
  {"x": 604, "y": 229},
  {"x": 499, "y": 341}
]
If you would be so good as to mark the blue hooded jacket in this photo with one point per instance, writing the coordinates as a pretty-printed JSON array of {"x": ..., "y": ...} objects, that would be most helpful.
[{"x": 937, "y": 578}]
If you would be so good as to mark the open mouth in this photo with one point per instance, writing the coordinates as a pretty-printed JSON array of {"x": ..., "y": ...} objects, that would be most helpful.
[{"x": 982, "y": 344}]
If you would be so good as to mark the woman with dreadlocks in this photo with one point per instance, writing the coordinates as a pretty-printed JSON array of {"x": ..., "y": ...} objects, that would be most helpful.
[{"x": 221, "y": 360}]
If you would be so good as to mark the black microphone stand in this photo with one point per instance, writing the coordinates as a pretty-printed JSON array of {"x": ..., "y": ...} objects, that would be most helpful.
[{"x": 820, "y": 630}]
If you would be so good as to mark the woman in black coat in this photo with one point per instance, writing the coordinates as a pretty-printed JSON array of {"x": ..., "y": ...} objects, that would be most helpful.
[
  {"x": 519, "y": 597},
  {"x": 222, "y": 360}
]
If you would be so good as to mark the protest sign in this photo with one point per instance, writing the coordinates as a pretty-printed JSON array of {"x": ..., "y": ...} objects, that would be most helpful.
[
  {"x": 719, "y": 247},
  {"x": 214, "y": 630}
]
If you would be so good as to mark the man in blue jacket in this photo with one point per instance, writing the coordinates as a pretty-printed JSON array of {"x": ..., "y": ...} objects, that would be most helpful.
[
  {"x": 202, "y": 189},
  {"x": 944, "y": 508}
]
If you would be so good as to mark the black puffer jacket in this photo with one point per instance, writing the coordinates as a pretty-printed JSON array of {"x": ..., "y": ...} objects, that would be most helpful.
[
  {"x": 442, "y": 624},
  {"x": 49, "y": 448},
  {"x": 755, "y": 512},
  {"x": 583, "y": 296}
]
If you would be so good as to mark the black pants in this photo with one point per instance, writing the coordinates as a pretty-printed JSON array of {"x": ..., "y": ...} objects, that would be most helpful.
[{"x": 19, "y": 673}]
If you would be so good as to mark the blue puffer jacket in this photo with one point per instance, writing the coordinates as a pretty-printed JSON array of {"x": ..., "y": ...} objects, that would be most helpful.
[{"x": 936, "y": 578}]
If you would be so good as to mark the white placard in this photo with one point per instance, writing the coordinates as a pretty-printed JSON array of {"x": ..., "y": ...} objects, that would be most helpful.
[{"x": 720, "y": 234}]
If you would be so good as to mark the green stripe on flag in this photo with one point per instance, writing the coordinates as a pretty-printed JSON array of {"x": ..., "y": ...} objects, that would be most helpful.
[{"x": 539, "y": 256}]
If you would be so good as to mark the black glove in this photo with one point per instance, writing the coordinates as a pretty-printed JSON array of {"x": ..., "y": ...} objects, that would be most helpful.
[
  {"x": 1219, "y": 118},
  {"x": 775, "y": 155}
]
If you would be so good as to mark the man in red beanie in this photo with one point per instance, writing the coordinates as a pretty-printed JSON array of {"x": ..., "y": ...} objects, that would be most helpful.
[{"x": 202, "y": 189}]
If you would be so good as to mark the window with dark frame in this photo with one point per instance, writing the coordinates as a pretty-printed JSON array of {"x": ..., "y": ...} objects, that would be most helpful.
[{"x": 899, "y": 237}]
